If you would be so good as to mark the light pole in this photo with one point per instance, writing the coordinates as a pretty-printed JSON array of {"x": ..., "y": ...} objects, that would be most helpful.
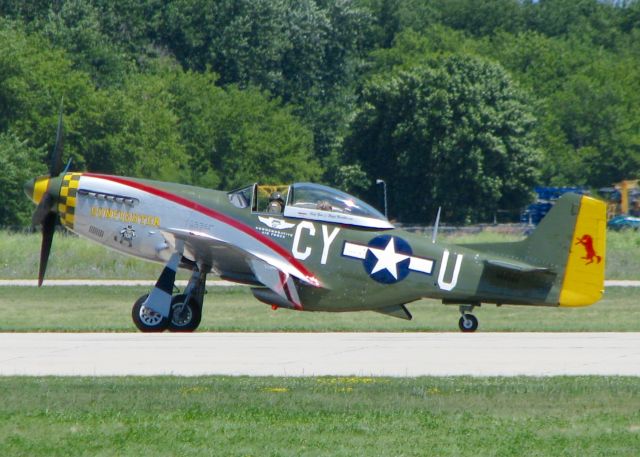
[{"x": 384, "y": 189}]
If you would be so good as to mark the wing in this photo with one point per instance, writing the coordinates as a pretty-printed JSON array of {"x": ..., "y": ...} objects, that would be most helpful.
[{"x": 246, "y": 265}]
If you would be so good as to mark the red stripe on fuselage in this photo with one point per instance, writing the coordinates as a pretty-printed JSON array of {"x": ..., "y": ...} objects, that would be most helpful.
[{"x": 211, "y": 213}]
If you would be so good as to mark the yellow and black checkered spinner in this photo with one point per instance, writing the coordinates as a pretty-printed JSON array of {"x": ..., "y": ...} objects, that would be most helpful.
[{"x": 67, "y": 202}]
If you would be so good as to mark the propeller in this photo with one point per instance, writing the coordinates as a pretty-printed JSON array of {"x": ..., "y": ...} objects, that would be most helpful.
[
  {"x": 48, "y": 229},
  {"x": 45, "y": 213},
  {"x": 55, "y": 167}
]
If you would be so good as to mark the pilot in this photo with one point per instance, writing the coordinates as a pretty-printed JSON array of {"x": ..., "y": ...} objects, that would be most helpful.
[
  {"x": 276, "y": 203},
  {"x": 323, "y": 205}
]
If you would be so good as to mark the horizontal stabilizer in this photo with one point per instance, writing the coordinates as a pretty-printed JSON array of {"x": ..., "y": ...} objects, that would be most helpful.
[
  {"x": 516, "y": 267},
  {"x": 399, "y": 311}
]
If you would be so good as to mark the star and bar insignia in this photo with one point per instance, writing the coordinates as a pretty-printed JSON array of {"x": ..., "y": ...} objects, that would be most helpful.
[{"x": 388, "y": 259}]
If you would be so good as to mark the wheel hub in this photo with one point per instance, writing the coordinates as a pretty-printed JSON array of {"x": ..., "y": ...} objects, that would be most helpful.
[
  {"x": 149, "y": 317},
  {"x": 181, "y": 315}
]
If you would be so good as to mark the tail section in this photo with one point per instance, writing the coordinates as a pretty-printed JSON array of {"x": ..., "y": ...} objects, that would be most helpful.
[
  {"x": 584, "y": 274},
  {"x": 571, "y": 239},
  {"x": 564, "y": 256}
]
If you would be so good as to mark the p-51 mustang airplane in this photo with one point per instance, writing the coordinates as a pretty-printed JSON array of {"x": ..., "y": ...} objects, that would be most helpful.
[{"x": 313, "y": 248}]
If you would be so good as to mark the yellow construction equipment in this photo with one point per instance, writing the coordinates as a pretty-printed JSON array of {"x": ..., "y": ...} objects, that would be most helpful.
[{"x": 624, "y": 187}]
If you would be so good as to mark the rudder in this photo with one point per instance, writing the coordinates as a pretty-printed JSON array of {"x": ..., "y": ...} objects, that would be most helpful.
[
  {"x": 566, "y": 252},
  {"x": 583, "y": 282},
  {"x": 572, "y": 239}
]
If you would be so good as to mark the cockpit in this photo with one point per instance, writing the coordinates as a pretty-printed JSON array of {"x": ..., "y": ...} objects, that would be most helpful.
[{"x": 309, "y": 201}]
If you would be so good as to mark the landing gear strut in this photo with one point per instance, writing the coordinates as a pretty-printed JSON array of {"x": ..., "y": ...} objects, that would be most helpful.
[
  {"x": 184, "y": 310},
  {"x": 468, "y": 322}
]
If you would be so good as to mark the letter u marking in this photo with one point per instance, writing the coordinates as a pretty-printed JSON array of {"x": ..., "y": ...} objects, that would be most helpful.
[{"x": 442, "y": 284}]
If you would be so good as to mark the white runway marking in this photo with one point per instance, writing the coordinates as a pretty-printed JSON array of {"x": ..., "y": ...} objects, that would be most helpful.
[
  {"x": 621, "y": 283},
  {"x": 329, "y": 354}
]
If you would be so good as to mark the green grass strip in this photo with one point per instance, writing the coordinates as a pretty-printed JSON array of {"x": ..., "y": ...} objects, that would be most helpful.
[
  {"x": 77, "y": 258},
  {"x": 93, "y": 309},
  {"x": 224, "y": 416}
]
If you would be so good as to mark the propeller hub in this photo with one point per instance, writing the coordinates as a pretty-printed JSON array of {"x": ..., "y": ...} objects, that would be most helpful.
[{"x": 36, "y": 188}]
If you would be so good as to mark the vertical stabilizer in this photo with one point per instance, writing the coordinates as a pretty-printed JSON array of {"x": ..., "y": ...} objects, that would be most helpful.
[
  {"x": 571, "y": 239},
  {"x": 583, "y": 282},
  {"x": 569, "y": 244}
]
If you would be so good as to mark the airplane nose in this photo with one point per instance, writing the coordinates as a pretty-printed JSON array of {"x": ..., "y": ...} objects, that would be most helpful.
[{"x": 35, "y": 188}]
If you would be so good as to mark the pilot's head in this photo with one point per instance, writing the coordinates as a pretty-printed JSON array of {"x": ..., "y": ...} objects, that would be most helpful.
[{"x": 276, "y": 197}]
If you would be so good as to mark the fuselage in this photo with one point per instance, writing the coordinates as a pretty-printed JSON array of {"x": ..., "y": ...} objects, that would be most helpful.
[{"x": 356, "y": 268}]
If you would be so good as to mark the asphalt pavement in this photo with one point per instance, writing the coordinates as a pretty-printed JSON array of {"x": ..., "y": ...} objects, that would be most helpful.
[{"x": 320, "y": 354}]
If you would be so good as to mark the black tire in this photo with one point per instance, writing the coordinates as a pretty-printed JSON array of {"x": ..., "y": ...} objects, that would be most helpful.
[
  {"x": 184, "y": 318},
  {"x": 146, "y": 320},
  {"x": 468, "y": 323}
]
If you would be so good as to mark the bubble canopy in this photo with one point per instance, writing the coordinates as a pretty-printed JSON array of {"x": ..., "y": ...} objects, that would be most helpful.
[
  {"x": 323, "y": 203},
  {"x": 313, "y": 202}
]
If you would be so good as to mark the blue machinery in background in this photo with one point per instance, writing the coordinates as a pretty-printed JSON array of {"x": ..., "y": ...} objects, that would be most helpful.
[{"x": 546, "y": 197}]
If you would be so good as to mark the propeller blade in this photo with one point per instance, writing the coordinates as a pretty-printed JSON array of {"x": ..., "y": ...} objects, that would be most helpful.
[
  {"x": 66, "y": 169},
  {"x": 48, "y": 229},
  {"x": 42, "y": 210},
  {"x": 45, "y": 213},
  {"x": 56, "y": 158}
]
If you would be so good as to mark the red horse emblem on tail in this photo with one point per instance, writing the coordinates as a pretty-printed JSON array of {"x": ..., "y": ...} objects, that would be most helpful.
[{"x": 587, "y": 242}]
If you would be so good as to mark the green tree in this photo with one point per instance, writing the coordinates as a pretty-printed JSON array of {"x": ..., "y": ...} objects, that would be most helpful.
[
  {"x": 541, "y": 63},
  {"x": 599, "y": 117},
  {"x": 26, "y": 10},
  {"x": 18, "y": 165},
  {"x": 351, "y": 178},
  {"x": 481, "y": 18},
  {"x": 77, "y": 27},
  {"x": 258, "y": 139},
  {"x": 237, "y": 136},
  {"x": 35, "y": 76},
  {"x": 180, "y": 126},
  {"x": 133, "y": 131},
  {"x": 587, "y": 103},
  {"x": 597, "y": 22},
  {"x": 455, "y": 131},
  {"x": 411, "y": 48},
  {"x": 306, "y": 53}
]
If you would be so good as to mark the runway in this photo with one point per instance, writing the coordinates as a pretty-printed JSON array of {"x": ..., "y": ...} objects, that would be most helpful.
[{"x": 320, "y": 354}]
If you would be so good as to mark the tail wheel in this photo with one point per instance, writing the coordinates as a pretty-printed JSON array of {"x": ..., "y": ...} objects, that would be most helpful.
[
  {"x": 468, "y": 323},
  {"x": 185, "y": 316},
  {"x": 147, "y": 320}
]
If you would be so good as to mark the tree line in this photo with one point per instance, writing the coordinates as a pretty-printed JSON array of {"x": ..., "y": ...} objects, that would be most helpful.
[{"x": 461, "y": 104}]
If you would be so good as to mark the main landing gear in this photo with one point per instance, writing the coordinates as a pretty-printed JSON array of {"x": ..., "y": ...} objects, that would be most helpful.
[
  {"x": 185, "y": 310},
  {"x": 468, "y": 322}
]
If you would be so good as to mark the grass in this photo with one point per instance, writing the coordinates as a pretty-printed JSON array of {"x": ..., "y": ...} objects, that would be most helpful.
[
  {"x": 96, "y": 309},
  {"x": 71, "y": 257},
  {"x": 224, "y": 416},
  {"x": 77, "y": 258},
  {"x": 623, "y": 255}
]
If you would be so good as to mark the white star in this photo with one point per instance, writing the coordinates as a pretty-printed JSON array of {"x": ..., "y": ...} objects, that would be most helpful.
[{"x": 388, "y": 259}]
